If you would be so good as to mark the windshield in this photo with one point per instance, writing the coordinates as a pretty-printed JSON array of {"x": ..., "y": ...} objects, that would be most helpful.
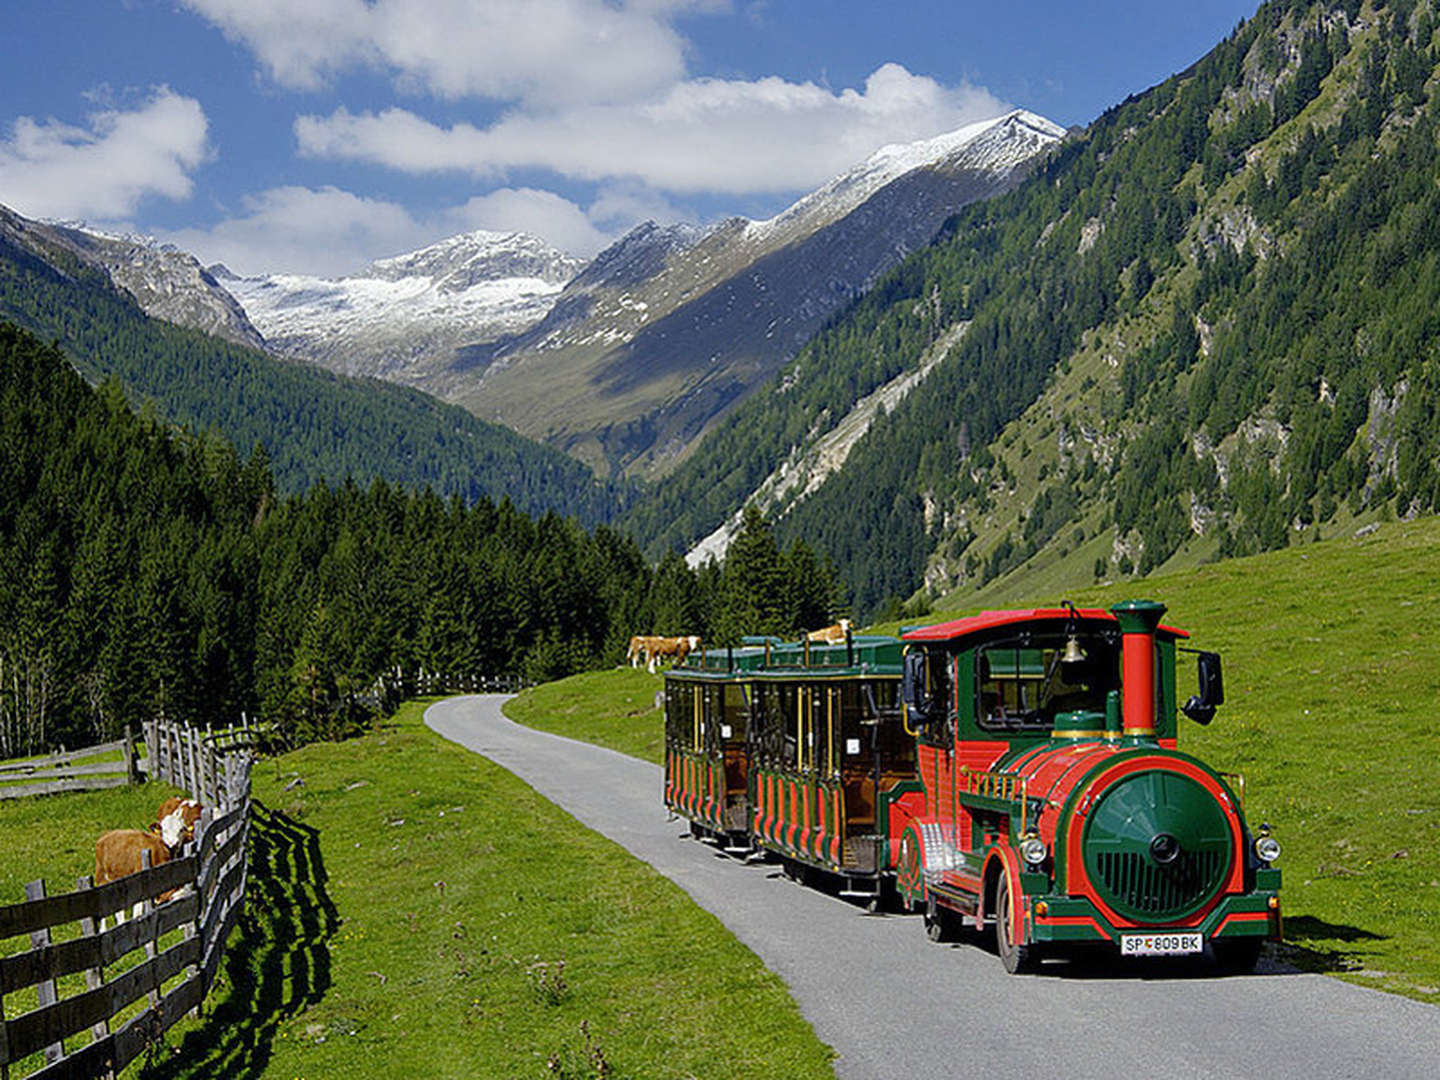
[{"x": 1025, "y": 682}]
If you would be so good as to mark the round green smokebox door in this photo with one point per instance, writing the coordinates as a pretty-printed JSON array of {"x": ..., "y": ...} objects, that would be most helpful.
[{"x": 1157, "y": 846}]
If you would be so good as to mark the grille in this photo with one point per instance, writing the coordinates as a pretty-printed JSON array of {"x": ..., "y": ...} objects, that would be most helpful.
[{"x": 1163, "y": 891}]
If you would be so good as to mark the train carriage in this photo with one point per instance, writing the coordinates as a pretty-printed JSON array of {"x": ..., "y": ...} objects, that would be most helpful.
[
  {"x": 707, "y": 740},
  {"x": 1057, "y": 805},
  {"x": 798, "y": 749}
]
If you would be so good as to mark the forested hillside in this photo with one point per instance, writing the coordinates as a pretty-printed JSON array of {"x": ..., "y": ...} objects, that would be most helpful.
[
  {"x": 1207, "y": 324},
  {"x": 313, "y": 425},
  {"x": 146, "y": 571}
]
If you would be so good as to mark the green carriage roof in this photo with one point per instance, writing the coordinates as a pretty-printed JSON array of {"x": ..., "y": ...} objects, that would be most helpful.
[{"x": 866, "y": 654}]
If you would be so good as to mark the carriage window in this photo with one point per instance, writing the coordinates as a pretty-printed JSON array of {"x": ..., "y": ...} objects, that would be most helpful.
[
  {"x": 733, "y": 721},
  {"x": 895, "y": 745},
  {"x": 1024, "y": 684},
  {"x": 786, "y": 718},
  {"x": 674, "y": 710}
]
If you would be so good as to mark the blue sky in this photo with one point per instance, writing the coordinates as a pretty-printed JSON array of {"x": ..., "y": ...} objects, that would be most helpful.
[{"x": 315, "y": 135}]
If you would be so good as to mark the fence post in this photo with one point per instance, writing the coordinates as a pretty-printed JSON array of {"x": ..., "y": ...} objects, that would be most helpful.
[
  {"x": 4, "y": 1044},
  {"x": 45, "y": 989},
  {"x": 194, "y": 927},
  {"x": 192, "y": 762},
  {"x": 212, "y": 774},
  {"x": 129, "y": 755},
  {"x": 146, "y": 906},
  {"x": 94, "y": 976}
]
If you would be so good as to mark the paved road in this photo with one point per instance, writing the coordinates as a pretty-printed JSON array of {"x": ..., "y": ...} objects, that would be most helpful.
[{"x": 893, "y": 1004}]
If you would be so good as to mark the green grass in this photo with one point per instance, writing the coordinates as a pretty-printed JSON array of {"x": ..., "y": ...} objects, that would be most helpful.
[
  {"x": 1332, "y": 682},
  {"x": 609, "y": 708},
  {"x": 52, "y": 837},
  {"x": 413, "y": 906}
]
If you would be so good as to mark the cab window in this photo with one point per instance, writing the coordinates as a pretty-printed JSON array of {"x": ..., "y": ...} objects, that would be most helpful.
[{"x": 1022, "y": 684}]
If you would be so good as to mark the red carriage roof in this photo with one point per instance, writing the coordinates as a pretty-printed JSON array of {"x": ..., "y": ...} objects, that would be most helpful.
[{"x": 986, "y": 620}]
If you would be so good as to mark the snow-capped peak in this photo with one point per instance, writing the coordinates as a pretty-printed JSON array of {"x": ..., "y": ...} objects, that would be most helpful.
[
  {"x": 995, "y": 144},
  {"x": 459, "y": 262}
]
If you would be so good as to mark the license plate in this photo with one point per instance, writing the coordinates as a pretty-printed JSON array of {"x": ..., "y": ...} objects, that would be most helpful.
[{"x": 1161, "y": 944}]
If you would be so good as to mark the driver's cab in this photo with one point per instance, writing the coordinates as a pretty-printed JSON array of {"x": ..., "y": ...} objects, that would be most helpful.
[
  {"x": 1003, "y": 677},
  {"x": 1025, "y": 681}
]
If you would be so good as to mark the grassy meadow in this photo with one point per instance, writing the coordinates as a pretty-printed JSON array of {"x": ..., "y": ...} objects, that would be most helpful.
[
  {"x": 417, "y": 911},
  {"x": 1332, "y": 715},
  {"x": 616, "y": 709}
]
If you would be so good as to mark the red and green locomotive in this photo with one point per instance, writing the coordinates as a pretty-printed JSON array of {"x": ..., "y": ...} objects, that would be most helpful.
[
  {"x": 1057, "y": 804},
  {"x": 1028, "y": 779}
]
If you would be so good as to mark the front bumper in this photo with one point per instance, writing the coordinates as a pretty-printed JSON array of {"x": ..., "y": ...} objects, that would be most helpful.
[{"x": 1076, "y": 920}]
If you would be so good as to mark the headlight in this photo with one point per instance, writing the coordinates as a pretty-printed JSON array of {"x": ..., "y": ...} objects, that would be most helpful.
[
  {"x": 1032, "y": 850},
  {"x": 1267, "y": 848}
]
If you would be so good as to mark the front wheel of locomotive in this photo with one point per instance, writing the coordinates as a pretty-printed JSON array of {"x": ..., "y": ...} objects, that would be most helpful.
[{"x": 1018, "y": 958}]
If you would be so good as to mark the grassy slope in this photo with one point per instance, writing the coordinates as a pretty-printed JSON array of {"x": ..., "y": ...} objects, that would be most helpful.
[
  {"x": 414, "y": 903},
  {"x": 610, "y": 708},
  {"x": 1332, "y": 661},
  {"x": 1332, "y": 654}
]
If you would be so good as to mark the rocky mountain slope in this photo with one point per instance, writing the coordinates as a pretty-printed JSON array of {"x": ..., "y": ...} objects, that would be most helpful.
[
  {"x": 403, "y": 318},
  {"x": 305, "y": 424},
  {"x": 1204, "y": 328},
  {"x": 166, "y": 282},
  {"x": 665, "y": 332}
]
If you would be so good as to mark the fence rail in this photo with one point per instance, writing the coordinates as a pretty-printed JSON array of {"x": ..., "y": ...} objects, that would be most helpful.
[
  {"x": 210, "y": 874},
  {"x": 70, "y": 770}
]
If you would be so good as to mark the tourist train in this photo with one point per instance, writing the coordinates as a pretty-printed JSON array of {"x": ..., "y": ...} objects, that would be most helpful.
[{"x": 1016, "y": 771}]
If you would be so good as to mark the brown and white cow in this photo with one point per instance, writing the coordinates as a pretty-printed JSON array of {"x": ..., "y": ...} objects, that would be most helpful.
[
  {"x": 119, "y": 853},
  {"x": 674, "y": 649},
  {"x": 637, "y": 652},
  {"x": 189, "y": 811},
  {"x": 831, "y": 635}
]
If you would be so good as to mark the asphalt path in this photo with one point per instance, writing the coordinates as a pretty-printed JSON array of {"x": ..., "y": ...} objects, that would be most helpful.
[{"x": 894, "y": 1004}]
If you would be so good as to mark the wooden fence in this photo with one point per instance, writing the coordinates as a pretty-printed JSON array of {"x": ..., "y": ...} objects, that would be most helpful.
[
  {"x": 392, "y": 687},
  {"x": 70, "y": 770},
  {"x": 173, "y": 980}
]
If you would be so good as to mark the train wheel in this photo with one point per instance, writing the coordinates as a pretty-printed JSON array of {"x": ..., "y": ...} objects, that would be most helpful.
[
  {"x": 1238, "y": 956},
  {"x": 1016, "y": 957}
]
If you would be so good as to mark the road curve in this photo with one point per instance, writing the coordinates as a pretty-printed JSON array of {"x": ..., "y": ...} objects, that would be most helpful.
[{"x": 893, "y": 1004}]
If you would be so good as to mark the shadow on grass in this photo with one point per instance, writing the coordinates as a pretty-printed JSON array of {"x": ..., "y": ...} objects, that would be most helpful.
[
  {"x": 277, "y": 965},
  {"x": 1309, "y": 944}
]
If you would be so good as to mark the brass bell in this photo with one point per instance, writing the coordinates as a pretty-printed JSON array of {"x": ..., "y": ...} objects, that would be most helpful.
[{"x": 1074, "y": 654}]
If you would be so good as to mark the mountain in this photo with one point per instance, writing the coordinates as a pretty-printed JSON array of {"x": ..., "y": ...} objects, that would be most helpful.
[
  {"x": 313, "y": 425},
  {"x": 166, "y": 282},
  {"x": 1203, "y": 327},
  {"x": 669, "y": 329},
  {"x": 403, "y": 318}
]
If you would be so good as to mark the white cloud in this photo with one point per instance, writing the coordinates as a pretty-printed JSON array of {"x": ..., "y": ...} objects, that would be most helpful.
[
  {"x": 703, "y": 135},
  {"x": 537, "y": 51},
  {"x": 540, "y": 213},
  {"x": 103, "y": 170},
  {"x": 329, "y": 232}
]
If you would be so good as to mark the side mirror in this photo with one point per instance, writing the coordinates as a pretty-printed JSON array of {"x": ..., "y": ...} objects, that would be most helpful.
[
  {"x": 1201, "y": 707},
  {"x": 913, "y": 689}
]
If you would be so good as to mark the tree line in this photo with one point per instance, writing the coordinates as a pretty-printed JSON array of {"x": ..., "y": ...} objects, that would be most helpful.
[{"x": 148, "y": 570}]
